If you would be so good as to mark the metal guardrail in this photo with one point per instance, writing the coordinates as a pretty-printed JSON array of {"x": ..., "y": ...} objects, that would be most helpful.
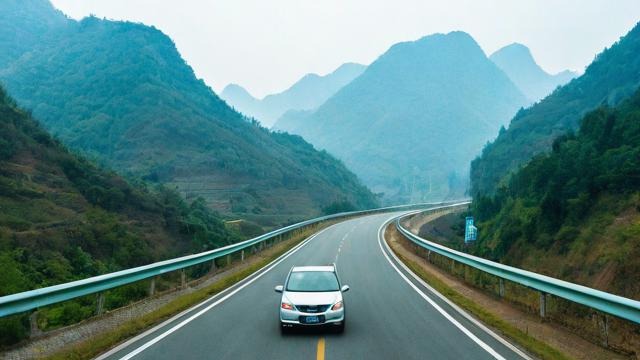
[
  {"x": 33, "y": 299},
  {"x": 609, "y": 303}
]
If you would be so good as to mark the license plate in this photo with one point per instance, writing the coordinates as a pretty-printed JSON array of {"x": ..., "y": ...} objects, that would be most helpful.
[{"x": 312, "y": 320}]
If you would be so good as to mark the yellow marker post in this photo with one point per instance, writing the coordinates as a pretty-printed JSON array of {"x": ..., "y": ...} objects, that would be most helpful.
[{"x": 320, "y": 352}]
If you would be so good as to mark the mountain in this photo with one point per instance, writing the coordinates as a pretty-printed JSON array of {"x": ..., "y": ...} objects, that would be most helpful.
[
  {"x": 25, "y": 23},
  {"x": 65, "y": 219},
  {"x": 609, "y": 79},
  {"x": 412, "y": 122},
  {"x": 306, "y": 94},
  {"x": 121, "y": 93},
  {"x": 518, "y": 63},
  {"x": 292, "y": 120},
  {"x": 240, "y": 99},
  {"x": 574, "y": 212}
]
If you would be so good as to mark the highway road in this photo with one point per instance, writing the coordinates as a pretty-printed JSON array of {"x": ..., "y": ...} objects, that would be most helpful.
[{"x": 390, "y": 314}]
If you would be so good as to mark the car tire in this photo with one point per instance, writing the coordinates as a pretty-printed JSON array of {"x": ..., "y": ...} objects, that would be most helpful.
[
  {"x": 340, "y": 328},
  {"x": 284, "y": 329}
]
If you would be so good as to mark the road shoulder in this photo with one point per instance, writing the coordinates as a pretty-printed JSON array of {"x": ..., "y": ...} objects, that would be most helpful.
[{"x": 541, "y": 338}]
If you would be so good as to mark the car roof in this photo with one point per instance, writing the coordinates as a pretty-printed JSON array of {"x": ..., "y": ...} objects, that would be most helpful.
[{"x": 330, "y": 268}]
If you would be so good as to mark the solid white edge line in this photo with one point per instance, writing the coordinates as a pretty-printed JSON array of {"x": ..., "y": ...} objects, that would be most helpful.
[
  {"x": 234, "y": 289},
  {"x": 456, "y": 307},
  {"x": 455, "y": 322}
]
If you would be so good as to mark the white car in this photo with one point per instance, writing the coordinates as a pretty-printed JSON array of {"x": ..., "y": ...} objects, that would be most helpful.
[{"x": 312, "y": 296}]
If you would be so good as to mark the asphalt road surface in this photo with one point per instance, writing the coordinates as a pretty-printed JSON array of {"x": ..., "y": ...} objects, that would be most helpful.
[{"x": 390, "y": 314}]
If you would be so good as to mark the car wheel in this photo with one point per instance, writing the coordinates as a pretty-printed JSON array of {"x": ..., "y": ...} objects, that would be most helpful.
[
  {"x": 340, "y": 328},
  {"x": 284, "y": 329}
]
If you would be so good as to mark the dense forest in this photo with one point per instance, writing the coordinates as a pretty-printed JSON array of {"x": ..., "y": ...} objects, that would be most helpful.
[
  {"x": 575, "y": 212},
  {"x": 121, "y": 94},
  {"x": 610, "y": 78},
  {"x": 62, "y": 218}
]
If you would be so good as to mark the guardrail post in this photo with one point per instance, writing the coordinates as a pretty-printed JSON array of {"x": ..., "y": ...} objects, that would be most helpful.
[
  {"x": 183, "y": 278},
  {"x": 213, "y": 266},
  {"x": 429, "y": 256},
  {"x": 152, "y": 286},
  {"x": 605, "y": 330},
  {"x": 501, "y": 287},
  {"x": 228, "y": 259},
  {"x": 33, "y": 324},
  {"x": 100, "y": 304},
  {"x": 543, "y": 304},
  {"x": 242, "y": 255}
]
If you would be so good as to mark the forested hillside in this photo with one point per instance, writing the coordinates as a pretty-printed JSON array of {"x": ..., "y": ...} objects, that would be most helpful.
[
  {"x": 518, "y": 63},
  {"x": 574, "y": 213},
  {"x": 306, "y": 94},
  {"x": 609, "y": 79},
  {"x": 24, "y": 24},
  {"x": 121, "y": 93},
  {"x": 412, "y": 122},
  {"x": 63, "y": 219}
]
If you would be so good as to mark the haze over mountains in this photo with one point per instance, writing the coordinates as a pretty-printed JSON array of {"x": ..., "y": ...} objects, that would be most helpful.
[
  {"x": 410, "y": 124},
  {"x": 306, "y": 94},
  {"x": 612, "y": 77},
  {"x": 518, "y": 63},
  {"x": 121, "y": 93}
]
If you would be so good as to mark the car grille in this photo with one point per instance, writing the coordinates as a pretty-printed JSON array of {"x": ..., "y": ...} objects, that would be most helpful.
[{"x": 313, "y": 308}]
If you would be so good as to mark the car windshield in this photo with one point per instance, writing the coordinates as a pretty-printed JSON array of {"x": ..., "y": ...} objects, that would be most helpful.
[{"x": 312, "y": 281}]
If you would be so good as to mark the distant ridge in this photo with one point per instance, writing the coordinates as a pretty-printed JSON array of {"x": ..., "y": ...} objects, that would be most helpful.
[
  {"x": 612, "y": 77},
  {"x": 518, "y": 63},
  {"x": 306, "y": 94},
  {"x": 412, "y": 122}
]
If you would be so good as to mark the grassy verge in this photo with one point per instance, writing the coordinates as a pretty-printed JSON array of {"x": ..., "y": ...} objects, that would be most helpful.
[
  {"x": 533, "y": 345},
  {"x": 97, "y": 345}
]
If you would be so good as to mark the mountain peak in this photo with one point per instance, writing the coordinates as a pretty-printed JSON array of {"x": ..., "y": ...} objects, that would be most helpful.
[
  {"x": 235, "y": 90},
  {"x": 459, "y": 38},
  {"x": 440, "y": 86},
  {"x": 519, "y": 64},
  {"x": 454, "y": 37},
  {"x": 453, "y": 49},
  {"x": 515, "y": 52},
  {"x": 305, "y": 94}
]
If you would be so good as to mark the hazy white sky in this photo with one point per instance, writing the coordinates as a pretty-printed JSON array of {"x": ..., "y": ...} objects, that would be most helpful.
[{"x": 266, "y": 45}]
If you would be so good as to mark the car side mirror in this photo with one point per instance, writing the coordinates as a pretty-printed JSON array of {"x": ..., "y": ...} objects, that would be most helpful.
[
  {"x": 279, "y": 288},
  {"x": 344, "y": 288}
]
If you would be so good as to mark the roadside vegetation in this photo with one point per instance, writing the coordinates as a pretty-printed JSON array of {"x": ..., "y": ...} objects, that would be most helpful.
[
  {"x": 537, "y": 347},
  {"x": 103, "y": 342},
  {"x": 62, "y": 218},
  {"x": 574, "y": 213}
]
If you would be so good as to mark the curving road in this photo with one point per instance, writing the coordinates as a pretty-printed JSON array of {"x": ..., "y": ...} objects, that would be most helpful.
[{"x": 390, "y": 314}]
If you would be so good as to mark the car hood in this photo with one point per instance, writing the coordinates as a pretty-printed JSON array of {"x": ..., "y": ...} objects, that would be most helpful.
[{"x": 313, "y": 298}]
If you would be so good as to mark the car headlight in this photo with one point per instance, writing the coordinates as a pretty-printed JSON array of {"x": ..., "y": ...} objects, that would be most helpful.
[
  {"x": 337, "y": 306},
  {"x": 287, "y": 306}
]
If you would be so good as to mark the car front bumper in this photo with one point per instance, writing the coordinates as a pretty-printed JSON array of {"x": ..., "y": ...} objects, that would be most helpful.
[{"x": 292, "y": 317}]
